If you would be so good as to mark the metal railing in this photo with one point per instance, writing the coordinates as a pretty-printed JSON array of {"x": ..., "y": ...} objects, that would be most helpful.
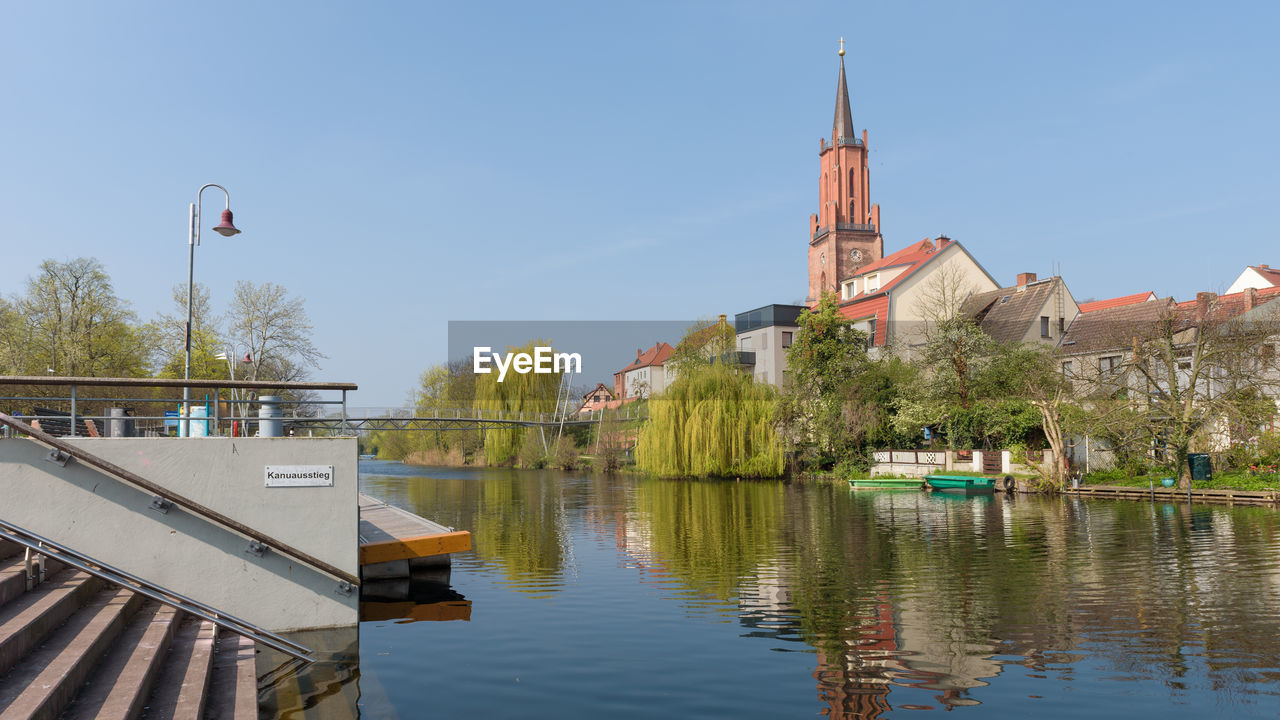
[
  {"x": 61, "y": 451},
  {"x": 824, "y": 229},
  {"x": 112, "y": 574},
  {"x": 453, "y": 418},
  {"x": 310, "y": 407},
  {"x": 839, "y": 141}
]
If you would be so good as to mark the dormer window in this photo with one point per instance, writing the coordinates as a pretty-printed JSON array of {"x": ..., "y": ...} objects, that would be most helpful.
[
  {"x": 849, "y": 289},
  {"x": 873, "y": 282}
]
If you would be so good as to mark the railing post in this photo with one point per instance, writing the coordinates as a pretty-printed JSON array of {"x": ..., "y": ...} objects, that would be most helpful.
[
  {"x": 217, "y": 430},
  {"x": 344, "y": 411},
  {"x": 73, "y": 411}
]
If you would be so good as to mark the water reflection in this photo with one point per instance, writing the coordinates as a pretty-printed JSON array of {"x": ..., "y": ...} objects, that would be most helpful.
[
  {"x": 907, "y": 600},
  {"x": 424, "y": 596}
]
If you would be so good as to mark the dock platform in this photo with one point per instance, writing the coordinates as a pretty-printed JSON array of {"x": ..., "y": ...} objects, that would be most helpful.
[
  {"x": 1230, "y": 497},
  {"x": 391, "y": 535}
]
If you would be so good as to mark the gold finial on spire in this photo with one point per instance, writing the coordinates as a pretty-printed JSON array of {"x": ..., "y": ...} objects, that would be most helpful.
[{"x": 841, "y": 53}]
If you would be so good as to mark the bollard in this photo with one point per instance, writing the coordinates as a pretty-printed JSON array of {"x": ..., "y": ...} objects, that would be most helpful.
[
  {"x": 120, "y": 423},
  {"x": 270, "y": 423}
]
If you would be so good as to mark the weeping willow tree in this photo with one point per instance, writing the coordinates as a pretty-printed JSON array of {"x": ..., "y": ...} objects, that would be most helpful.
[
  {"x": 713, "y": 421},
  {"x": 527, "y": 393}
]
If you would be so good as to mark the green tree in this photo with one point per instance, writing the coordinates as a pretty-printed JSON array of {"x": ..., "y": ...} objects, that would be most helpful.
[
  {"x": 1036, "y": 376},
  {"x": 704, "y": 342},
  {"x": 76, "y": 326},
  {"x": 168, "y": 331},
  {"x": 518, "y": 393},
  {"x": 965, "y": 387},
  {"x": 825, "y": 358},
  {"x": 277, "y": 330},
  {"x": 713, "y": 421}
]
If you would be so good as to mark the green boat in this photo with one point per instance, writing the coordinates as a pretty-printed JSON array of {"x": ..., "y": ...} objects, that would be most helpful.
[
  {"x": 961, "y": 484},
  {"x": 886, "y": 483}
]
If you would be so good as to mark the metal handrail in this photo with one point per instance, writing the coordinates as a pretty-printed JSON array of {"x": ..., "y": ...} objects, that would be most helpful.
[
  {"x": 179, "y": 500},
  {"x": 172, "y": 382},
  {"x": 112, "y": 574}
]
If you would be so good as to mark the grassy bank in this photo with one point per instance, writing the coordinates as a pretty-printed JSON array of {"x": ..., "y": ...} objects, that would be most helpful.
[{"x": 1230, "y": 480}]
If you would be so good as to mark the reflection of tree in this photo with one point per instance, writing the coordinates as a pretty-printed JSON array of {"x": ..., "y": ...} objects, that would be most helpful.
[
  {"x": 711, "y": 535},
  {"x": 516, "y": 520}
]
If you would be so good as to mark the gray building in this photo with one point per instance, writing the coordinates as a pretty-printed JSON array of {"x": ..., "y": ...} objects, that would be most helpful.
[{"x": 764, "y": 334}]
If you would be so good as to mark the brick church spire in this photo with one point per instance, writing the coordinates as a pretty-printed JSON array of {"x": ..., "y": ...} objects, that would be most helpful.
[
  {"x": 843, "y": 125},
  {"x": 845, "y": 232}
]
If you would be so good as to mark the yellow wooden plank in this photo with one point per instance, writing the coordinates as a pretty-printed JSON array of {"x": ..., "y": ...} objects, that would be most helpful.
[{"x": 415, "y": 547}]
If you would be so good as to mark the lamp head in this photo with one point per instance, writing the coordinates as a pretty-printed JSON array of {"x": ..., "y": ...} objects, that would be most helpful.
[
  {"x": 226, "y": 228},
  {"x": 247, "y": 360}
]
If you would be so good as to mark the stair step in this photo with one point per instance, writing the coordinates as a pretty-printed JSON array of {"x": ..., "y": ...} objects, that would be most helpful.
[
  {"x": 29, "y": 618},
  {"x": 183, "y": 686},
  {"x": 13, "y": 575},
  {"x": 122, "y": 681},
  {"x": 8, "y": 548},
  {"x": 50, "y": 676},
  {"x": 13, "y": 578},
  {"x": 233, "y": 689}
]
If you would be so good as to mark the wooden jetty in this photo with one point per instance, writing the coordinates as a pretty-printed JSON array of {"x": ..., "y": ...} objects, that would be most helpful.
[
  {"x": 1164, "y": 494},
  {"x": 392, "y": 540}
]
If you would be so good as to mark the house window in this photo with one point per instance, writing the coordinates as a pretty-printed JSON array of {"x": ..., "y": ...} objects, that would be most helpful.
[
  {"x": 849, "y": 289},
  {"x": 1044, "y": 326},
  {"x": 1062, "y": 326},
  {"x": 1066, "y": 368},
  {"x": 871, "y": 332},
  {"x": 746, "y": 343},
  {"x": 873, "y": 282},
  {"x": 786, "y": 338},
  {"x": 1109, "y": 365}
]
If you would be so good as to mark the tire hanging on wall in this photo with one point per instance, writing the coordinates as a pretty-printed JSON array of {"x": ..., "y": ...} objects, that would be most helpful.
[{"x": 1008, "y": 483}]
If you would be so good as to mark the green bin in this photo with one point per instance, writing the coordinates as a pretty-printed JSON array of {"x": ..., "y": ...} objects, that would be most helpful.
[{"x": 1201, "y": 469}]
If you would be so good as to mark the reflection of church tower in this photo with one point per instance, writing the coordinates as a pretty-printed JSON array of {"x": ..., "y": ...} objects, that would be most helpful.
[
  {"x": 845, "y": 232},
  {"x": 856, "y": 684}
]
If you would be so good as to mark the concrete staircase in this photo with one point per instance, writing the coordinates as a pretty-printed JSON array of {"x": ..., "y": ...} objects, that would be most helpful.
[{"x": 77, "y": 647}]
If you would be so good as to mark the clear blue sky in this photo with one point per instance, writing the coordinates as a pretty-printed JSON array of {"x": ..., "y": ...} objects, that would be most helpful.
[{"x": 405, "y": 164}]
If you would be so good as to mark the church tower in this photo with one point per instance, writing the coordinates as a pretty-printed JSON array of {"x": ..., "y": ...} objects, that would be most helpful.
[{"x": 844, "y": 234}]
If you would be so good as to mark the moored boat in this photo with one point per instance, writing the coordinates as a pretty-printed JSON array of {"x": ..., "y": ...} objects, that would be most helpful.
[
  {"x": 961, "y": 484},
  {"x": 886, "y": 483}
]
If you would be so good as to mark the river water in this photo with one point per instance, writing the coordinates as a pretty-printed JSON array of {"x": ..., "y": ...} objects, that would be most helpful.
[{"x": 624, "y": 597}]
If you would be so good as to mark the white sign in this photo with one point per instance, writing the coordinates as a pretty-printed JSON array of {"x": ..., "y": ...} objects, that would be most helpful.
[{"x": 299, "y": 475}]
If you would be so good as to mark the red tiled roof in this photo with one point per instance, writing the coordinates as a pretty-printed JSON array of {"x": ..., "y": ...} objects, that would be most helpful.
[
  {"x": 1112, "y": 328},
  {"x": 656, "y": 355},
  {"x": 876, "y": 306},
  {"x": 1268, "y": 273},
  {"x": 1117, "y": 302},
  {"x": 1225, "y": 307},
  {"x": 912, "y": 256}
]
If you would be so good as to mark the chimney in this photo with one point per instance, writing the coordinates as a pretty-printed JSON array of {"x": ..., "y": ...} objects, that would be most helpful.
[
  {"x": 637, "y": 353},
  {"x": 1024, "y": 279},
  {"x": 1265, "y": 267},
  {"x": 1203, "y": 299},
  {"x": 1250, "y": 299}
]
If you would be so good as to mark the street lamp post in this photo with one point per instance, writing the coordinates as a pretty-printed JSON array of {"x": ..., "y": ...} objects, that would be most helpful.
[
  {"x": 226, "y": 228},
  {"x": 229, "y": 355}
]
